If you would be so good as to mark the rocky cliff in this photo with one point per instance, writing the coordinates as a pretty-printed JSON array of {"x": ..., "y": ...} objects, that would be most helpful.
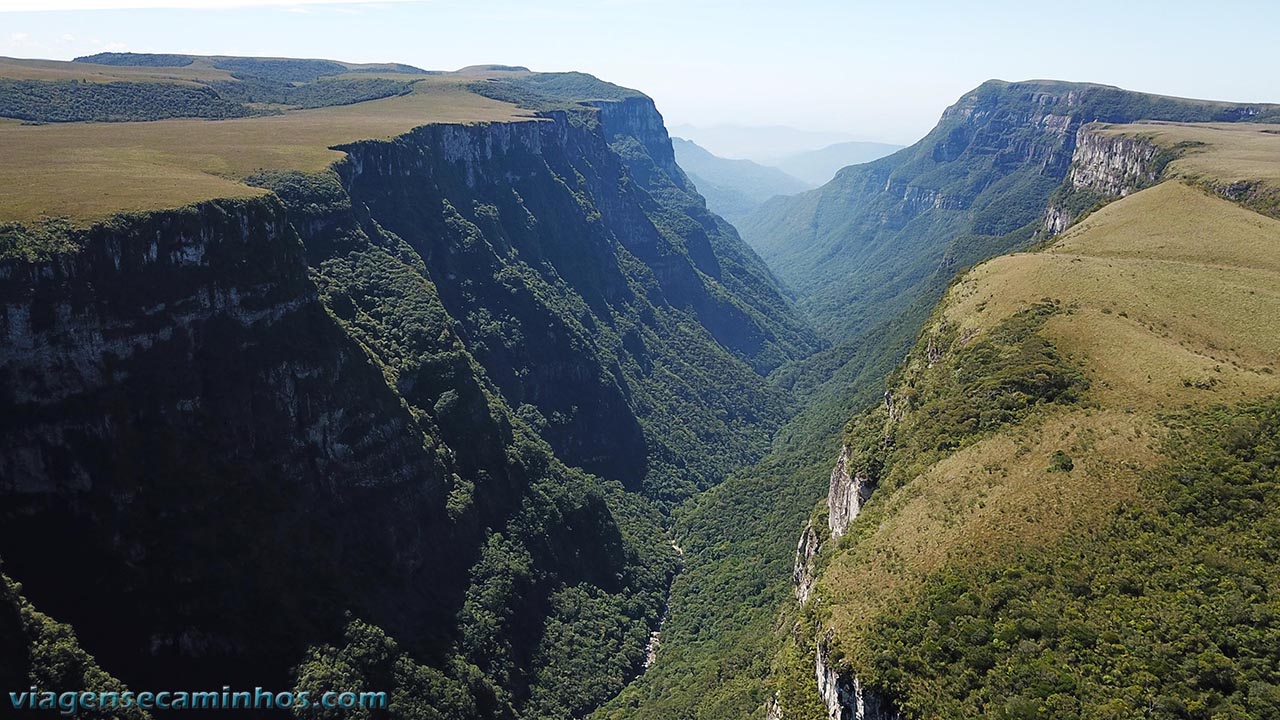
[
  {"x": 848, "y": 492},
  {"x": 1103, "y": 167},
  {"x": 804, "y": 574},
  {"x": 844, "y": 696},
  {"x": 185, "y": 425},
  {"x": 604, "y": 300}
]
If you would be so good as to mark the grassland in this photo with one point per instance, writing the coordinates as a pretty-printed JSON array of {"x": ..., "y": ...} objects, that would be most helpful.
[
  {"x": 1168, "y": 300},
  {"x": 89, "y": 171}
]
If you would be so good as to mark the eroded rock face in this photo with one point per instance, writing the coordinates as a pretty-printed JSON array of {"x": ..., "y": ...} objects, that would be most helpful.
[
  {"x": 293, "y": 364},
  {"x": 803, "y": 577},
  {"x": 1103, "y": 167},
  {"x": 579, "y": 262},
  {"x": 1113, "y": 164},
  {"x": 847, "y": 494},
  {"x": 842, "y": 692},
  {"x": 844, "y": 695},
  {"x": 772, "y": 709}
]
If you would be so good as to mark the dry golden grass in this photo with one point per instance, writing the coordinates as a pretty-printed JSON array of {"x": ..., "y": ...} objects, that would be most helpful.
[
  {"x": 1173, "y": 222},
  {"x": 1171, "y": 300},
  {"x": 88, "y": 171}
]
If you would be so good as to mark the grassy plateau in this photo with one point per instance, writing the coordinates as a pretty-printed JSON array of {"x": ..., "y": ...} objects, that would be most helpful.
[{"x": 87, "y": 171}]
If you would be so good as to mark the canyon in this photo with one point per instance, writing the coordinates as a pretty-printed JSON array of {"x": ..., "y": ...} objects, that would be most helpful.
[{"x": 468, "y": 397}]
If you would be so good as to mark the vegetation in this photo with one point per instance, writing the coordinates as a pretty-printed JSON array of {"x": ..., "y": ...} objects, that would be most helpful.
[
  {"x": 321, "y": 93},
  {"x": 270, "y": 121},
  {"x": 550, "y": 91},
  {"x": 36, "y": 242},
  {"x": 284, "y": 70},
  {"x": 1234, "y": 161},
  {"x": 253, "y": 83},
  {"x": 661, "y": 395},
  {"x": 73, "y": 101},
  {"x": 37, "y": 650},
  {"x": 555, "y": 650},
  {"x": 367, "y": 660},
  {"x": 528, "y": 371},
  {"x": 996, "y": 380},
  {"x": 525, "y": 588},
  {"x": 1167, "y": 612},
  {"x": 137, "y": 59},
  {"x": 731, "y": 641},
  {"x": 565, "y": 556},
  {"x": 172, "y": 163},
  {"x": 279, "y": 69},
  {"x": 738, "y": 538},
  {"x": 1086, "y": 493}
]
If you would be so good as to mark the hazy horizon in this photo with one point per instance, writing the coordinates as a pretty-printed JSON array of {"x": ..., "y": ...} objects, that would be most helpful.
[{"x": 862, "y": 70}]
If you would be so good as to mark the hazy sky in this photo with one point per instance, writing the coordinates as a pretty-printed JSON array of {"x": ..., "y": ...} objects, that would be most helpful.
[{"x": 877, "y": 70}]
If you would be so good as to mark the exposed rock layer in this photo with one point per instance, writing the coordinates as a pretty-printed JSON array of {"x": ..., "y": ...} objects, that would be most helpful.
[{"x": 1104, "y": 167}]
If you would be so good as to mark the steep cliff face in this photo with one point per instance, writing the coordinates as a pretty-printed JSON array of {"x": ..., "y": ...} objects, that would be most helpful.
[
  {"x": 243, "y": 419},
  {"x": 847, "y": 491},
  {"x": 1103, "y": 167},
  {"x": 842, "y": 693}
]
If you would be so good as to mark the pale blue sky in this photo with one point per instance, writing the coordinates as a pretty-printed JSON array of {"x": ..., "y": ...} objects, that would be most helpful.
[{"x": 880, "y": 71}]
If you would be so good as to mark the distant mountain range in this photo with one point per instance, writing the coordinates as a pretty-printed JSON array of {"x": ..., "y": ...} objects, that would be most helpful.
[
  {"x": 733, "y": 188},
  {"x": 762, "y": 143},
  {"x": 817, "y": 167}
]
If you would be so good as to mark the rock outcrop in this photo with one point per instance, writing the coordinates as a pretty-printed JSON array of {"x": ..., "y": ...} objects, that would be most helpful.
[
  {"x": 803, "y": 575},
  {"x": 882, "y": 239},
  {"x": 1104, "y": 166},
  {"x": 586, "y": 271},
  {"x": 848, "y": 492},
  {"x": 1113, "y": 164},
  {"x": 183, "y": 420},
  {"x": 844, "y": 695}
]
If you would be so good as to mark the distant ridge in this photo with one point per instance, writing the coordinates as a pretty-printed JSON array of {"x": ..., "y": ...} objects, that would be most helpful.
[
  {"x": 732, "y": 188},
  {"x": 234, "y": 62},
  {"x": 819, "y": 166}
]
